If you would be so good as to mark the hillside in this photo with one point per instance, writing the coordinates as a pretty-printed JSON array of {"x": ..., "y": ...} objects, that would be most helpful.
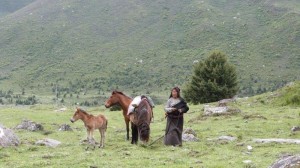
[
  {"x": 10, "y": 6},
  {"x": 143, "y": 46}
]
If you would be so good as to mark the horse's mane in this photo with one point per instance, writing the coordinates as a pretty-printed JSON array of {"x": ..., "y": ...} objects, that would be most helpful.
[
  {"x": 119, "y": 92},
  {"x": 83, "y": 111}
]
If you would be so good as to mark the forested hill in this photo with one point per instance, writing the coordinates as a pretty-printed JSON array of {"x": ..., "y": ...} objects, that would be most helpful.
[{"x": 145, "y": 45}]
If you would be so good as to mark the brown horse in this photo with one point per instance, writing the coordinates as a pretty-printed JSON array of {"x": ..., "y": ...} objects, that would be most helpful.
[
  {"x": 124, "y": 101},
  {"x": 141, "y": 118},
  {"x": 91, "y": 123}
]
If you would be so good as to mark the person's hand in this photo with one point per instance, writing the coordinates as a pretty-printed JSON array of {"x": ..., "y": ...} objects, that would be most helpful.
[
  {"x": 174, "y": 109},
  {"x": 180, "y": 111}
]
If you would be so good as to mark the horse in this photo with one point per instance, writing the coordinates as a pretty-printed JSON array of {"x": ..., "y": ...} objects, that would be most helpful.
[
  {"x": 138, "y": 122},
  {"x": 124, "y": 101},
  {"x": 141, "y": 118},
  {"x": 91, "y": 123}
]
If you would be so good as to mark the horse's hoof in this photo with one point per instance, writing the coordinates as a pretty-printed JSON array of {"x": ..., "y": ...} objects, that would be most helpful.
[{"x": 134, "y": 143}]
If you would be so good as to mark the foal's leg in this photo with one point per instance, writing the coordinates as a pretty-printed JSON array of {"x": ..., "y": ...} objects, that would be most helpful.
[
  {"x": 92, "y": 136},
  {"x": 87, "y": 134},
  {"x": 102, "y": 133}
]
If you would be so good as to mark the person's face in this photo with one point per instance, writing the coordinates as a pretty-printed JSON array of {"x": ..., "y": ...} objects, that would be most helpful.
[{"x": 174, "y": 93}]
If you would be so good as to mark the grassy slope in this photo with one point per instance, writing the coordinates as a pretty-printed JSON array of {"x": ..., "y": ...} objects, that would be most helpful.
[
  {"x": 10, "y": 6},
  {"x": 100, "y": 43},
  {"x": 267, "y": 120}
]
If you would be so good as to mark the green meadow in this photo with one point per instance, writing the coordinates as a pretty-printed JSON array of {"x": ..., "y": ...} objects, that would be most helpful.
[
  {"x": 261, "y": 117},
  {"x": 66, "y": 53}
]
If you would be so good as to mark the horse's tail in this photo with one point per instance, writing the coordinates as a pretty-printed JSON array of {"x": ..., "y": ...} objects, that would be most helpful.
[
  {"x": 144, "y": 131},
  {"x": 106, "y": 123},
  {"x": 143, "y": 120}
]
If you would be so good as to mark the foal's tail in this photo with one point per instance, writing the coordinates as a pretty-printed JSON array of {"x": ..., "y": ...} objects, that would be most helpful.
[{"x": 106, "y": 123}]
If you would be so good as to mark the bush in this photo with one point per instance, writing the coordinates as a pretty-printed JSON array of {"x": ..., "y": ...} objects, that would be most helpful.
[
  {"x": 213, "y": 79},
  {"x": 28, "y": 101},
  {"x": 290, "y": 94},
  {"x": 293, "y": 100}
]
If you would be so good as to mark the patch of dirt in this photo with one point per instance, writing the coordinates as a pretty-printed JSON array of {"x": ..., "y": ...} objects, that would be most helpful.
[
  {"x": 3, "y": 155},
  {"x": 254, "y": 116},
  {"x": 194, "y": 153},
  {"x": 120, "y": 130},
  {"x": 198, "y": 118}
]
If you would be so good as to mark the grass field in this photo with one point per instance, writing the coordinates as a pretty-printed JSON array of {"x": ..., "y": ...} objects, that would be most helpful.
[{"x": 259, "y": 119}]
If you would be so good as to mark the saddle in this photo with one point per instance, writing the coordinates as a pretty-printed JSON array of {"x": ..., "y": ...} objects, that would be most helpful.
[
  {"x": 137, "y": 105},
  {"x": 147, "y": 98}
]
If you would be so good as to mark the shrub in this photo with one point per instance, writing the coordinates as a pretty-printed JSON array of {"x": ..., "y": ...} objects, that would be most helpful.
[{"x": 213, "y": 79}]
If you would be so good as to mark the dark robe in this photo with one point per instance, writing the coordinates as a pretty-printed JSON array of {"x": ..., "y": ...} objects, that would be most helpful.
[{"x": 174, "y": 128}]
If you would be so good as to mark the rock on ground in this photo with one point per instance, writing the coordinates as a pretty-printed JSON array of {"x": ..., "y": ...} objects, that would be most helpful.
[
  {"x": 8, "y": 137},
  {"x": 224, "y": 102},
  {"x": 65, "y": 127},
  {"x": 61, "y": 109},
  {"x": 277, "y": 140},
  {"x": 247, "y": 161},
  {"x": 189, "y": 135},
  {"x": 224, "y": 110},
  {"x": 48, "y": 142},
  {"x": 227, "y": 138},
  {"x": 287, "y": 162},
  {"x": 295, "y": 128},
  {"x": 30, "y": 125}
]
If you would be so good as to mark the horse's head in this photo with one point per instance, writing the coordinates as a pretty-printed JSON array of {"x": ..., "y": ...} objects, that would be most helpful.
[
  {"x": 76, "y": 115},
  {"x": 113, "y": 99}
]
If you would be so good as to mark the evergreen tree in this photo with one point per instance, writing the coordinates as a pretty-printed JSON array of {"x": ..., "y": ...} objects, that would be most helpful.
[{"x": 213, "y": 79}]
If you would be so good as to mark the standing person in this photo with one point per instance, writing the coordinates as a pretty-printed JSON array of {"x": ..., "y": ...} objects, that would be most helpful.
[{"x": 175, "y": 108}]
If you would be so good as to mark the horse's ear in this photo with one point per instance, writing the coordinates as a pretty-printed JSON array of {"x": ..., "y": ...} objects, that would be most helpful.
[{"x": 114, "y": 92}]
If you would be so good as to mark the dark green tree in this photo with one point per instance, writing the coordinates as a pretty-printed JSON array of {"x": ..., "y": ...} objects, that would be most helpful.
[{"x": 213, "y": 79}]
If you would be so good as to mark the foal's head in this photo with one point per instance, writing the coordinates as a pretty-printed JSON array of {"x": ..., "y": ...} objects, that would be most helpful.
[
  {"x": 77, "y": 115},
  {"x": 113, "y": 99}
]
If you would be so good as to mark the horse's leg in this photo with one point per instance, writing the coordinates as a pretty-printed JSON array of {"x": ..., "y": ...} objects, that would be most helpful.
[
  {"x": 134, "y": 131},
  {"x": 127, "y": 128},
  {"x": 87, "y": 136},
  {"x": 102, "y": 133},
  {"x": 92, "y": 135}
]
